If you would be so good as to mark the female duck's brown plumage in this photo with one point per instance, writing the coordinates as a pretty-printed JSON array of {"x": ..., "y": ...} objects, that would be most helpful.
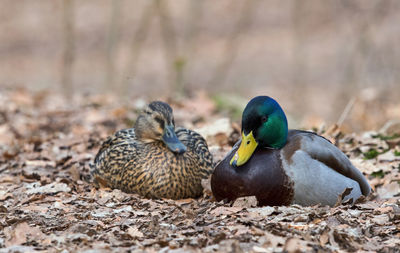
[{"x": 154, "y": 159}]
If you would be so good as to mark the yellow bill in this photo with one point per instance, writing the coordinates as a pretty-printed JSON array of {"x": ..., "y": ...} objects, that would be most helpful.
[{"x": 245, "y": 150}]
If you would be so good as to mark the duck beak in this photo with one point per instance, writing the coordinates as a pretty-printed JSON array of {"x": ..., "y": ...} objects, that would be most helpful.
[
  {"x": 171, "y": 140},
  {"x": 246, "y": 149}
]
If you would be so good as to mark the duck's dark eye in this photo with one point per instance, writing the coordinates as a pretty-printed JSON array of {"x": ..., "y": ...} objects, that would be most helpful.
[
  {"x": 160, "y": 121},
  {"x": 264, "y": 119}
]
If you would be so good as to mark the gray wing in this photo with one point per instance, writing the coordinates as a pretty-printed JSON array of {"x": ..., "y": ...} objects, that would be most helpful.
[{"x": 324, "y": 151}]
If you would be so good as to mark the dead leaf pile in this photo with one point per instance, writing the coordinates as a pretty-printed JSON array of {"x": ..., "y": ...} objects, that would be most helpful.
[{"x": 48, "y": 203}]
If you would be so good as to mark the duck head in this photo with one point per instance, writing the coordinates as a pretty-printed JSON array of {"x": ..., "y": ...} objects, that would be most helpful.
[
  {"x": 264, "y": 125},
  {"x": 156, "y": 123}
]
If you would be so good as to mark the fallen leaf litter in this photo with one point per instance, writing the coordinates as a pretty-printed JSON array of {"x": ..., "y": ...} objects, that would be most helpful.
[{"x": 47, "y": 201}]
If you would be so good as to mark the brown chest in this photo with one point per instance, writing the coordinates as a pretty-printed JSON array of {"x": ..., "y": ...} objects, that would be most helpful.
[{"x": 262, "y": 176}]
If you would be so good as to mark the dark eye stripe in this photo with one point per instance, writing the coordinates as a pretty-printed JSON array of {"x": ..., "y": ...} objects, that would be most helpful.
[{"x": 160, "y": 121}]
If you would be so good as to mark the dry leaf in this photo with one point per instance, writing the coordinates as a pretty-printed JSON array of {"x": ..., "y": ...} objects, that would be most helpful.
[
  {"x": 324, "y": 238},
  {"x": 222, "y": 210},
  {"x": 22, "y": 233},
  {"x": 47, "y": 194},
  {"x": 246, "y": 202},
  {"x": 296, "y": 245},
  {"x": 389, "y": 190},
  {"x": 134, "y": 232},
  {"x": 49, "y": 188}
]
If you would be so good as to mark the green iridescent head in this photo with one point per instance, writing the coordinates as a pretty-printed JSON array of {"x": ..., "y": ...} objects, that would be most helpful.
[{"x": 264, "y": 124}]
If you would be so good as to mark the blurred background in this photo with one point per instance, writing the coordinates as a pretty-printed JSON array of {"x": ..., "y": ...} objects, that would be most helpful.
[{"x": 326, "y": 61}]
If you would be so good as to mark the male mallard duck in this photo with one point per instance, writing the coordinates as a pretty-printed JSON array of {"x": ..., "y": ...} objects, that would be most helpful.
[
  {"x": 154, "y": 159},
  {"x": 281, "y": 166}
]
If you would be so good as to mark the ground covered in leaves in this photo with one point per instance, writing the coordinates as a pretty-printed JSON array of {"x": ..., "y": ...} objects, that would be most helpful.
[{"x": 47, "y": 202}]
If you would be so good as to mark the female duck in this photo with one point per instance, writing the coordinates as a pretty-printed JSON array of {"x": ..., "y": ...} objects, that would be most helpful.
[
  {"x": 281, "y": 166},
  {"x": 154, "y": 159}
]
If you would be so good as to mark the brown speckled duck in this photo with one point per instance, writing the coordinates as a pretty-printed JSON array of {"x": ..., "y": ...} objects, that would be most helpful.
[
  {"x": 281, "y": 166},
  {"x": 154, "y": 159}
]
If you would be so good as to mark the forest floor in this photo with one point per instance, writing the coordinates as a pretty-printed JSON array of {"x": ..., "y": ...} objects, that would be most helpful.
[{"x": 47, "y": 202}]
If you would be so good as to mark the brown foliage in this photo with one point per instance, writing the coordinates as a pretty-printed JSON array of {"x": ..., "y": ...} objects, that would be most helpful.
[{"x": 48, "y": 203}]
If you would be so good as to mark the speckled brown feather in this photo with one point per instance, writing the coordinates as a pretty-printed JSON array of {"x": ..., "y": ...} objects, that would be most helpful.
[
  {"x": 144, "y": 165},
  {"x": 151, "y": 169}
]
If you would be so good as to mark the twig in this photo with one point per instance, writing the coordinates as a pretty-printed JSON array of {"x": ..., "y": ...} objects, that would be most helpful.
[{"x": 346, "y": 111}]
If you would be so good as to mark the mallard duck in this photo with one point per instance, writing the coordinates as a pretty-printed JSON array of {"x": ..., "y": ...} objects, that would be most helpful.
[
  {"x": 281, "y": 166},
  {"x": 154, "y": 159}
]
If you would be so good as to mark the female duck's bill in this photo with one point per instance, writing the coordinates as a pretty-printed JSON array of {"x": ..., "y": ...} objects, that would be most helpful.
[{"x": 171, "y": 140}]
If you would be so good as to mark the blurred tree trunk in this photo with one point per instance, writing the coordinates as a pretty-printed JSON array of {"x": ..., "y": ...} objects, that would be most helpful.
[
  {"x": 299, "y": 62},
  {"x": 362, "y": 22},
  {"x": 232, "y": 43},
  {"x": 136, "y": 45},
  {"x": 175, "y": 62},
  {"x": 113, "y": 32},
  {"x": 69, "y": 46},
  {"x": 194, "y": 16}
]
